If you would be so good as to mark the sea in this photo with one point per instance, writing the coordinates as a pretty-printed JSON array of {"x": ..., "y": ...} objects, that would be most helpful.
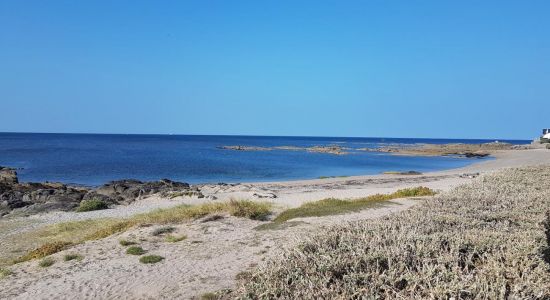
[{"x": 94, "y": 159}]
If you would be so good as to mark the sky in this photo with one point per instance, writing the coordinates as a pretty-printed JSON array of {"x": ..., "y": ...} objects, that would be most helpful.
[{"x": 434, "y": 69}]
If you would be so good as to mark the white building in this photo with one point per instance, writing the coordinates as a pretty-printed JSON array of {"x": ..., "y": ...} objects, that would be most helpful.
[{"x": 546, "y": 133}]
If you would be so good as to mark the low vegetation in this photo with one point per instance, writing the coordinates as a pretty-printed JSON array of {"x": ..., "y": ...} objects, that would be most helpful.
[
  {"x": 89, "y": 205},
  {"x": 46, "y": 262},
  {"x": 60, "y": 236},
  {"x": 333, "y": 206},
  {"x": 72, "y": 256},
  {"x": 175, "y": 239},
  {"x": 163, "y": 230},
  {"x": 135, "y": 250},
  {"x": 150, "y": 259},
  {"x": 484, "y": 240},
  {"x": 44, "y": 250},
  {"x": 126, "y": 243},
  {"x": 5, "y": 272}
]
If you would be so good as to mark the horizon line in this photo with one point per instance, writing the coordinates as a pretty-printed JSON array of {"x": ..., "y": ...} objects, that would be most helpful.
[{"x": 267, "y": 135}]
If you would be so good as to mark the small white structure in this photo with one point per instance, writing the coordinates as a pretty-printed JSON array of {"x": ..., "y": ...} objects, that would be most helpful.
[{"x": 546, "y": 133}]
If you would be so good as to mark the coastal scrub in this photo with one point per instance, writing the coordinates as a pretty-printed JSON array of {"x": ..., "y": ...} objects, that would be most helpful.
[{"x": 484, "y": 240}]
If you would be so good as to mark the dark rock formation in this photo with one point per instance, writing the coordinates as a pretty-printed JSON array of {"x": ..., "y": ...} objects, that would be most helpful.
[
  {"x": 31, "y": 198},
  {"x": 126, "y": 191}
]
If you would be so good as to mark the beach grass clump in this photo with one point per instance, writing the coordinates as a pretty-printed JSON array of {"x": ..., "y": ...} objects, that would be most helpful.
[
  {"x": 332, "y": 206},
  {"x": 72, "y": 256},
  {"x": 126, "y": 243},
  {"x": 163, "y": 230},
  {"x": 5, "y": 272},
  {"x": 175, "y": 239},
  {"x": 150, "y": 259},
  {"x": 46, "y": 262},
  {"x": 44, "y": 250},
  {"x": 90, "y": 205},
  {"x": 483, "y": 240},
  {"x": 135, "y": 250}
]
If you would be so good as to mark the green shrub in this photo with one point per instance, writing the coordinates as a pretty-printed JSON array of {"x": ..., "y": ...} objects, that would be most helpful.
[
  {"x": 150, "y": 259},
  {"x": 89, "y": 205},
  {"x": 126, "y": 243},
  {"x": 46, "y": 262},
  {"x": 69, "y": 257},
  {"x": 134, "y": 250}
]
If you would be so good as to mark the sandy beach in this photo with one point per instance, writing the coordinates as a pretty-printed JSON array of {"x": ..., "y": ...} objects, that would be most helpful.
[{"x": 216, "y": 250}]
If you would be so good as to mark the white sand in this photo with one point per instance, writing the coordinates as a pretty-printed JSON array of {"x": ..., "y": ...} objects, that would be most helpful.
[{"x": 215, "y": 252}]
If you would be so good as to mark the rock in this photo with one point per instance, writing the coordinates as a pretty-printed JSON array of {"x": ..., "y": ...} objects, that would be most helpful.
[
  {"x": 8, "y": 176},
  {"x": 38, "y": 197},
  {"x": 265, "y": 195},
  {"x": 126, "y": 191}
]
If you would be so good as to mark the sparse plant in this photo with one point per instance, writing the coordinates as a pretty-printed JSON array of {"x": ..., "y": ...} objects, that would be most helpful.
[
  {"x": 333, "y": 206},
  {"x": 163, "y": 230},
  {"x": 90, "y": 205},
  {"x": 46, "y": 262},
  {"x": 44, "y": 250},
  {"x": 72, "y": 256},
  {"x": 150, "y": 259},
  {"x": 5, "y": 272},
  {"x": 126, "y": 243},
  {"x": 175, "y": 239},
  {"x": 135, "y": 250}
]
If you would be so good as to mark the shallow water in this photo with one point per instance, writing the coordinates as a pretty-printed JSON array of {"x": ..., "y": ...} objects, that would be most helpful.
[{"x": 93, "y": 159}]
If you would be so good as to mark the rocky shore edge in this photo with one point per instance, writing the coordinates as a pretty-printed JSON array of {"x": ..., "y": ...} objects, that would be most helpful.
[{"x": 31, "y": 198}]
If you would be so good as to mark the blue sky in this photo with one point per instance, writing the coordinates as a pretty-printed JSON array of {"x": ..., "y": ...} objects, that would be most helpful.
[{"x": 464, "y": 69}]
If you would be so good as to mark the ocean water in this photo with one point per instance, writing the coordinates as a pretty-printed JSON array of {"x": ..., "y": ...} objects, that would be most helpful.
[{"x": 93, "y": 159}]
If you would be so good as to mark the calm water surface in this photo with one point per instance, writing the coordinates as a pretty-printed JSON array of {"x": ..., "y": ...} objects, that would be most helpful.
[{"x": 93, "y": 159}]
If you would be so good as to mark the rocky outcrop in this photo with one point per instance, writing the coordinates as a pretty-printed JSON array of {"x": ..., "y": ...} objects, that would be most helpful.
[
  {"x": 331, "y": 149},
  {"x": 29, "y": 198},
  {"x": 126, "y": 191},
  {"x": 8, "y": 176}
]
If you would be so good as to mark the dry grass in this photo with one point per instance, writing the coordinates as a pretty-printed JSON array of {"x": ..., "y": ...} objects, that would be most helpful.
[
  {"x": 484, "y": 240},
  {"x": 59, "y": 236},
  {"x": 331, "y": 206},
  {"x": 46, "y": 262},
  {"x": 44, "y": 250}
]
